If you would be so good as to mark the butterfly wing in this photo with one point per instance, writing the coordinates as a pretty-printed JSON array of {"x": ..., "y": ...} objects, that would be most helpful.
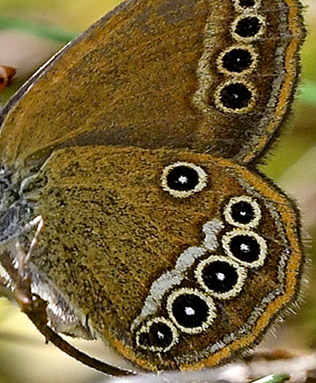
[
  {"x": 171, "y": 283},
  {"x": 212, "y": 76},
  {"x": 116, "y": 249}
]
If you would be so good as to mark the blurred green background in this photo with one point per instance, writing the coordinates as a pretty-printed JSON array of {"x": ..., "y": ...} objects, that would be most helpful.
[{"x": 30, "y": 32}]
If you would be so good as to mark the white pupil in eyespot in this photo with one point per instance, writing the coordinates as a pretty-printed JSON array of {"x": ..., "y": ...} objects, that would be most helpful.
[
  {"x": 220, "y": 276},
  {"x": 189, "y": 311},
  {"x": 245, "y": 248},
  {"x": 183, "y": 180},
  {"x": 160, "y": 335}
]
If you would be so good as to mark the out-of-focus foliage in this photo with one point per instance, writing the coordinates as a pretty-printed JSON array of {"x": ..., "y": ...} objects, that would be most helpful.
[
  {"x": 74, "y": 15},
  {"x": 23, "y": 354}
]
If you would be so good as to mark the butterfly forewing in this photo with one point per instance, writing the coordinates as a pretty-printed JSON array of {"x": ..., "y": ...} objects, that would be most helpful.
[{"x": 207, "y": 75}]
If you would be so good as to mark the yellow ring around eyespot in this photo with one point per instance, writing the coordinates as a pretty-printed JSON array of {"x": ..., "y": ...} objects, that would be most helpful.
[
  {"x": 292, "y": 274},
  {"x": 291, "y": 73}
]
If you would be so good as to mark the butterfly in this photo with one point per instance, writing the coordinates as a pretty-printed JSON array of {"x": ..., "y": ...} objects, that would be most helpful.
[{"x": 130, "y": 197}]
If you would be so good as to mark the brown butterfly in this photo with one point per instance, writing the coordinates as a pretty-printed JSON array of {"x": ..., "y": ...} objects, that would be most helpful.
[{"x": 130, "y": 199}]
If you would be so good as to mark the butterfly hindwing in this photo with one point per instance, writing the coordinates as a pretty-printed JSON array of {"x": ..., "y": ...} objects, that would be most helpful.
[{"x": 128, "y": 250}]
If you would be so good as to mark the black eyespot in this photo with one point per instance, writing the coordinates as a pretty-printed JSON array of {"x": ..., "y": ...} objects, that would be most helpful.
[
  {"x": 235, "y": 96},
  {"x": 246, "y": 247},
  {"x": 248, "y": 27},
  {"x": 242, "y": 211},
  {"x": 182, "y": 179},
  {"x": 220, "y": 276},
  {"x": 191, "y": 310},
  {"x": 247, "y": 3},
  {"x": 159, "y": 335},
  {"x": 237, "y": 60}
]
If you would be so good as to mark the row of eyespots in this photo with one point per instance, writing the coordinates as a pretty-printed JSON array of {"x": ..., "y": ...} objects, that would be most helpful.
[
  {"x": 243, "y": 244},
  {"x": 192, "y": 311},
  {"x": 223, "y": 276},
  {"x": 180, "y": 180},
  {"x": 237, "y": 95}
]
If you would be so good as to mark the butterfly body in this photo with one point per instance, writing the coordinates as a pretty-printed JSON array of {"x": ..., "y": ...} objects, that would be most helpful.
[{"x": 144, "y": 220}]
